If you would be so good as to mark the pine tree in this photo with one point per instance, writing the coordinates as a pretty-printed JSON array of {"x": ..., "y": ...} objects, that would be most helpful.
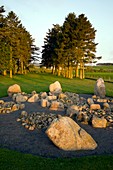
[
  {"x": 86, "y": 47},
  {"x": 69, "y": 39},
  {"x": 70, "y": 46},
  {"x": 51, "y": 49},
  {"x": 15, "y": 45}
]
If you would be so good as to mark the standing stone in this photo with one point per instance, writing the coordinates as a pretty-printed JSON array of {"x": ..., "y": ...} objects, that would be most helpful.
[
  {"x": 99, "y": 88},
  {"x": 14, "y": 89},
  {"x": 55, "y": 87},
  {"x": 68, "y": 135}
]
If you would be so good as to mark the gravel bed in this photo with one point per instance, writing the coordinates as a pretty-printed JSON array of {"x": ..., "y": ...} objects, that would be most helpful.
[{"x": 15, "y": 137}]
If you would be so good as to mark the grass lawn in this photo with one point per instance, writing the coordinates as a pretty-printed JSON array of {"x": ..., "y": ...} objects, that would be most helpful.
[
  {"x": 107, "y": 76},
  {"x": 40, "y": 82},
  {"x": 12, "y": 160}
]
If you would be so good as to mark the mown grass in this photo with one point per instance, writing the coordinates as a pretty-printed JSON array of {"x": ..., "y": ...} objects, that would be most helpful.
[
  {"x": 12, "y": 160},
  {"x": 41, "y": 81},
  {"x": 107, "y": 76},
  {"x": 104, "y": 71}
]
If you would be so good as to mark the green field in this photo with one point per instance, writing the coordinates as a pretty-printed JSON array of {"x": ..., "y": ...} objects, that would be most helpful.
[
  {"x": 107, "y": 76},
  {"x": 12, "y": 160},
  {"x": 95, "y": 72},
  {"x": 41, "y": 81}
]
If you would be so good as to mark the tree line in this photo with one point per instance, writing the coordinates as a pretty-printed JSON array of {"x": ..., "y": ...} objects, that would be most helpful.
[
  {"x": 69, "y": 47},
  {"x": 17, "y": 47}
]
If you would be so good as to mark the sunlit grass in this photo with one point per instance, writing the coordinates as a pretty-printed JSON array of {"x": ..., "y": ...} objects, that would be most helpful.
[{"x": 41, "y": 81}]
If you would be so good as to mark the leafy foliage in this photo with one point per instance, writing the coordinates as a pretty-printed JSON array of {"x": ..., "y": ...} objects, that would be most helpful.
[
  {"x": 70, "y": 45},
  {"x": 15, "y": 45}
]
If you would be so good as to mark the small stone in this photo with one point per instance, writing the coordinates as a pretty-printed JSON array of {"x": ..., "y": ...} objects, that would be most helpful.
[
  {"x": 101, "y": 100},
  {"x": 43, "y": 95},
  {"x": 24, "y": 113},
  {"x": 95, "y": 107},
  {"x": 22, "y": 106},
  {"x": 15, "y": 107},
  {"x": 21, "y": 98},
  {"x": 62, "y": 96},
  {"x": 90, "y": 101},
  {"x": 94, "y": 96},
  {"x": 44, "y": 102},
  {"x": 26, "y": 126},
  {"x": 106, "y": 105},
  {"x": 34, "y": 98},
  {"x": 52, "y": 97},
  {"x": 33, "y": 92},
  {"x": 18, "y": 120},
  {"x": 31, "y": 128},
  {"x": 99, "y": 122},
  {"x": 2, "y": 102},
  {"x": 55, "y": 105},
  {"x": 23, "y": 124}
]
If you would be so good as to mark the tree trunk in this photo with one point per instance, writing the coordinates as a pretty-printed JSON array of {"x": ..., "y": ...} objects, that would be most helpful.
[
  {"x": 59, "y": 71},
  {"x": 71, "y": 72},
  {"x": 15, "y": 69},
  {"x": 77, "y": 70},
  {"x": 81, "y": 72},
  {"x": 4, "y": 73},
  {"x": 66, "y": 72},
  {"x": 11, "y": 64},
  {"x": 63, "y": 71},
  {"x": 53, "y": 70},
  {"x": 22, "y": 67}
]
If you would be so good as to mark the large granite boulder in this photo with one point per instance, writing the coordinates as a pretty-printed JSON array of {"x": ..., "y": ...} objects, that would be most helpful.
[
  {"x": 99, "y": 89},
  {"x": 66, "y": 134},
  {"x": 13, "y": 89},
  {"x": 55, "y": 88}
]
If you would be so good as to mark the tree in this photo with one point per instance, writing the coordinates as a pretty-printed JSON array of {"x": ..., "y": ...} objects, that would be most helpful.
[
  {"x": 70, "y": 45},
  {"x": 4, "y": 48},
  {"x": 15, "y": 45},
  {"x": 86, "y": 47},
  {"x": 34, "y": 53},
  {"x": 70, "y": 41},
  {"x": 51, "y": 49}
]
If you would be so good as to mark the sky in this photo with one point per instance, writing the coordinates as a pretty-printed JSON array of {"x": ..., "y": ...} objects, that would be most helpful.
[{"x": 37, "y": 16}]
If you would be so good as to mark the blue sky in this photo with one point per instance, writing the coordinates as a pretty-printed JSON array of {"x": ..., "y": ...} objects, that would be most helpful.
[{"x": 39, "y": 15}]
